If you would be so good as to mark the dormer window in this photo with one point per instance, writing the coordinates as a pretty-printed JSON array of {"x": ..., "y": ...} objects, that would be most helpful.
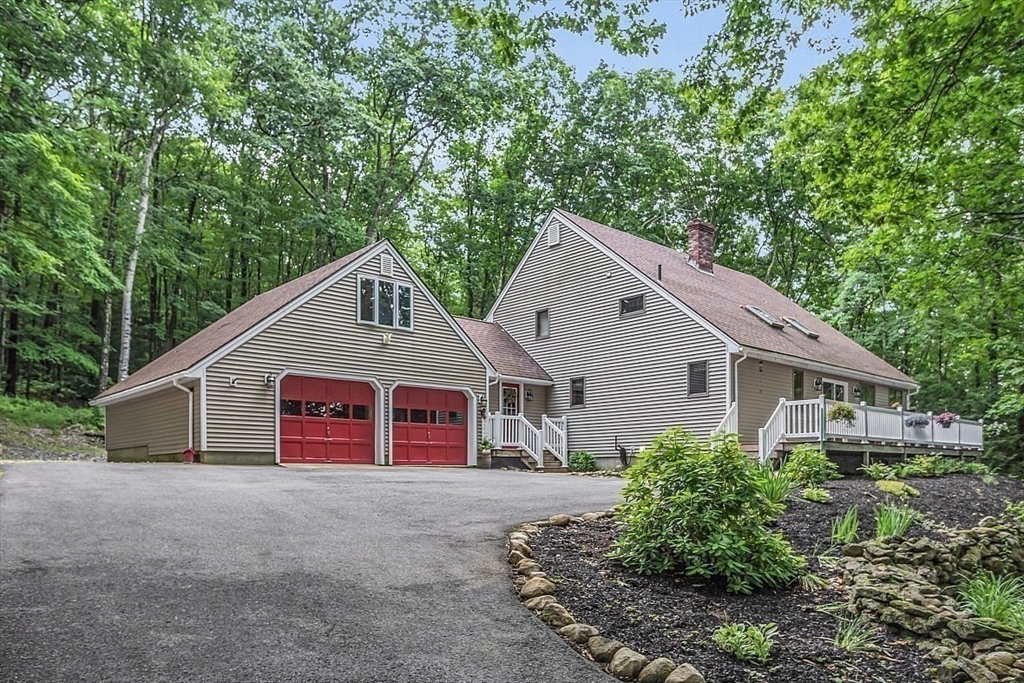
[
  {"x": 800, "y": 326},
  {"x": 766, "y": 317},
  {"x": 385, "y": 303}
]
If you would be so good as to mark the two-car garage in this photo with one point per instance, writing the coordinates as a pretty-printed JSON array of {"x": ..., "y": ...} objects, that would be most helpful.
[{"x": 324, "y": 420}]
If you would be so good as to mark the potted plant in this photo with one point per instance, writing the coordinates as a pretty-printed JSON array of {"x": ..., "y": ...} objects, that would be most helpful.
[
  {"x": 946, "y": 419},
  {"x": 484, "y": 445},
  {"x": 916, "y": 421},
  {"x": 842, "y": 412}
]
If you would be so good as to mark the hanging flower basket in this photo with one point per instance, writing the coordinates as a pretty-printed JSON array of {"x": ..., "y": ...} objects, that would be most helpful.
[
  {"x": 916, "y": 421},
  {"x": 842, "y": 412},
  {"x": 946, "y": 419}
]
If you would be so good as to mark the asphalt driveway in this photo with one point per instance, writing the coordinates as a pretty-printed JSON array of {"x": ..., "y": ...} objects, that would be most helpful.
[{"x": 116, "y": 572}]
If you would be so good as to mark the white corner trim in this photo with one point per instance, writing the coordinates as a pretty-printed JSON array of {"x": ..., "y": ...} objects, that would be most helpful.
[
  {"x": 730, "y": 345},
  {"x": 202, "y": 411},
  {"x": 537, "y": 239},
  {"x": 826, "y": 368},
  {"x": 378, "y": 390}
]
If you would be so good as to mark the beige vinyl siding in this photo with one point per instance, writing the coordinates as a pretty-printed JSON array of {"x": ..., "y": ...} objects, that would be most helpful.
[
  {"x": 634, "y": 366},
  {"x": 531, "y": 410},
  {"x": 322, "y": 336},
  {"x": 158, "y": 421},
  {"x": 763, "y": 383}
]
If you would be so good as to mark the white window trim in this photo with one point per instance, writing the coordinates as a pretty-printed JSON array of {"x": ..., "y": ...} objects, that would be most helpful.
[
  {"x": 837, "y": 382},
  {"x": 643, "y": 305},
  {"x": 536, "y": 323},
  {"x": 578, "y": 405},
  {"x": 707, "y": 378},
  {"x": 374, "y": 323}
]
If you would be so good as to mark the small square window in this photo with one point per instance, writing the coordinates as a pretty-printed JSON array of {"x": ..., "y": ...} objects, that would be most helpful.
[
  {"x": 400, "y": 415},
  {"x": 418, "y": 415},
  {"x": 316, "y": 409},
  {"x": 542, "y": 324},
  {"x": 338, "y": 411},
  {"x": 631, "y": 304},
  {"x": 291, "y": 407},
  {"x": 360, "y": 412},
  {"x": 798, "y": 385},
  {"x": 456, "y": 417},
  {"x": 577, "y": 392},
  {"x": 697, "y": 378}
]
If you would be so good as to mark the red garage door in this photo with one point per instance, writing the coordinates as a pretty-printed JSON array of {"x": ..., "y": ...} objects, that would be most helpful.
[
  {"x": 326, "y": 420},
  {"x": 429, "y": 427}
]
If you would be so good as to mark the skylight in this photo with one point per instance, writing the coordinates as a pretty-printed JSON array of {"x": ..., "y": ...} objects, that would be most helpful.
[
  {"x": 766, "y": 317},
  {"x": 800, "y": 326}
]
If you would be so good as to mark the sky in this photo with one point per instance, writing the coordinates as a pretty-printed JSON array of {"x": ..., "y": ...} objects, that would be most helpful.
[{"x": 684, "y": 38}]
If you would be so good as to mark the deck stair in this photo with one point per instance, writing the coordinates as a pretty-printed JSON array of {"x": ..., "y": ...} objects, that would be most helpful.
[{"x": 542, "y": 448}]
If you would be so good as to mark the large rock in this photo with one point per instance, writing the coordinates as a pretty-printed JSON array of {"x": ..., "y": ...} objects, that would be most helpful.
[
  {"x": 978, "y": 629},
  {"x": 603, "y": 649},
  {"x": 556, "y": 616},
  {"x": 559, "y": 520},
  {"x": 977, "y": 672},
  {"x": 627, "y": 664},
  {"x": 536, "y": 587},
  {"x": 527, "y": 567},
  {"x": 657, "y": 671},
  {"x": 685, "y": 673},
  {"x": 540, "y": 602},
  {"x": 521, "y": 548},
  {"x": 515, "y": 557},
  {"x": 578, "y": 633},
  {"x": 519, "y": 536}
]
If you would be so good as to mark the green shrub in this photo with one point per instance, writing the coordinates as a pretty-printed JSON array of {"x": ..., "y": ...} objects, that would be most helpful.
[
  {"x": 996, "y": 597},
  {"x": 897, "y": 488},
  {"x": 581, "y": 461},
  {"x": 773, "y": 486},
  {"x": 1016, "y": 510},
  {"x": 697, "y": 507},
  {"x": 809, "y": 466},
  {"x": 746, "y": 642},
  {"x": 815, "y": 494},
  {"x": 30, "y": 413},
  {"x": 845, "y": 528},
  {"x": 918, "y": 466},
  {"x": 893, "y": 520},
  {"x": 879, "y": 470}
]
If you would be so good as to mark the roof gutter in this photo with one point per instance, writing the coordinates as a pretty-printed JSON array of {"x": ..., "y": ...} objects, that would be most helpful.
[
  {"x": 526, "y": 380},
  {"x": 826, "y": 368},
  {"x": 141, "y": 390}
]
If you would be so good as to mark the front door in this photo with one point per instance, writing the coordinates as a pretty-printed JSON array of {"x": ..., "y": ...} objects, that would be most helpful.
[{"x": 510, "y": 407}]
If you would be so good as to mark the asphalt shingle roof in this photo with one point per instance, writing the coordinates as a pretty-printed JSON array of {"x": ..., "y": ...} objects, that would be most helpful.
[
  {"x": 505, "y": 354},
  {"x": 721, "y": 299}
]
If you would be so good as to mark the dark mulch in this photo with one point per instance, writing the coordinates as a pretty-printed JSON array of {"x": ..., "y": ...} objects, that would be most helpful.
[{"x": 673, "y": 616}]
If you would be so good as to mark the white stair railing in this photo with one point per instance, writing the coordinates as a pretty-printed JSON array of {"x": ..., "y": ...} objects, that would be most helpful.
[
  {"x": 730, "y": 424},
  {"x": 515, "y": 431},
  {"x": 769, "y": 436},
  {"x": 553, "y": 437}
]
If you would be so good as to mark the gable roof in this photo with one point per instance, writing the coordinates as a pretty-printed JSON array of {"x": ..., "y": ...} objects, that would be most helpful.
[
  {"x": 505, "y": 354},
  {"x": 721, "y": 299},
  {"x": 220, "y": 333}
]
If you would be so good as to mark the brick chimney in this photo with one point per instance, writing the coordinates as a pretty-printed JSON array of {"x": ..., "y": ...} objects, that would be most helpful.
[{"x": 701, "y": 248}]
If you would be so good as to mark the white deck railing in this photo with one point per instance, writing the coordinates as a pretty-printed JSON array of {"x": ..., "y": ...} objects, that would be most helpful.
[
  {"x": 515, "y": 431},
  {"x": 802, "y": 420},
  {"x": 730, "y": 423}
]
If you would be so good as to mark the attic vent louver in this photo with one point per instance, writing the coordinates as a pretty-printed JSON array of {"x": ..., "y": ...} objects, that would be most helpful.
[
  {"x": 766, "y": 317},
  {"x": 800, "y": 326},
  {"x": 554, "y": 233},
  {"x": 387, "y": 265}
]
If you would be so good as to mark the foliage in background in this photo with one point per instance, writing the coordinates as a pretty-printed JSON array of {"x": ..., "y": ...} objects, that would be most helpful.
[
  {"x": 808, "y": 465},
  {"x": 31, "y": 413},
  {"x": 747, "y": 642},
  {"x": 581, "y": 461},
  {"x": 695, "y": 507}
]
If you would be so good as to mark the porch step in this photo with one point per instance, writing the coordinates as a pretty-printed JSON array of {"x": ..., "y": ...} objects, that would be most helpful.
[{"x": 551, "y": 463}]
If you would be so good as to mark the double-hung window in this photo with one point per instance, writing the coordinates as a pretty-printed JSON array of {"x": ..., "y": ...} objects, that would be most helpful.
[{"x": 385, "y": 303}]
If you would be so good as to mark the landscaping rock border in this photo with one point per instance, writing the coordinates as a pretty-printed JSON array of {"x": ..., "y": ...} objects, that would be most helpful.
[
  {"x": 537, "y": 592},
  {"x": 910, "y": 585}
]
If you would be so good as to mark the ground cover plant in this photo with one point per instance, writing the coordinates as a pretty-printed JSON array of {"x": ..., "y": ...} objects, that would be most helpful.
[
  {"x": 675, "y": 615},
  {"x": 581, "y": 461},
  {"x": 747, "y": 642},
  {"x": 816, "y": 494},
  {"x": 697, "y": 508},
  {"x": 809, "y": 466}
]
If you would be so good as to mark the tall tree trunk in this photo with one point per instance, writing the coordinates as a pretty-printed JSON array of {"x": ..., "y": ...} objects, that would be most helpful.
[
  {"x": 108, "y": 324},
  {"x": 133, "y": 258}
]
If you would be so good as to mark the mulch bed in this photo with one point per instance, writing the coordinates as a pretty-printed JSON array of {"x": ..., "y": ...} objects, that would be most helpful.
[{"x": 674, "y": 616}]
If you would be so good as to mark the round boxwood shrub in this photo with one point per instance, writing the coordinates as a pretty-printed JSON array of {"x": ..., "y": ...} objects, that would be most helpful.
[
  {"x": 581, "y": 461},
  {"x": 696, "y": 508},
  {"x": 809, "y": 466}
]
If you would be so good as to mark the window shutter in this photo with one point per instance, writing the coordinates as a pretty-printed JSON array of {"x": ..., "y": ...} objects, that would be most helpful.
[
  {"x": 387, "y": 265},
  {"x": 554, "y": 233}
]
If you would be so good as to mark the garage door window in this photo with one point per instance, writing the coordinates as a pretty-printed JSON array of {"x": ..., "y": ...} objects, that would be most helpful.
[
  {"x": 400, "y": 415},
  {"x": 360, "y": 412},
  {"x": 339, "y": 411},
  {"x": 290, "y": 407},
  {"x": 385, "y": 303}
]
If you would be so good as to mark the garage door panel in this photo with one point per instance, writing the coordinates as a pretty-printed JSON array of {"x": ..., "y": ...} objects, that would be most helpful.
[
  {"x": 429, "y": 427},
  {"x": 326, "y": 420}
]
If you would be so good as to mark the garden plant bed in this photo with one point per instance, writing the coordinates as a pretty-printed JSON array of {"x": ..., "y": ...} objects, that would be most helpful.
[{"x": 673, "y": 616}]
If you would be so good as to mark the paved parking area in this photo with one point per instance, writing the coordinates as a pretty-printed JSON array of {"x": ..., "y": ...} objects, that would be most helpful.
[{"x": 156, "y": 572}]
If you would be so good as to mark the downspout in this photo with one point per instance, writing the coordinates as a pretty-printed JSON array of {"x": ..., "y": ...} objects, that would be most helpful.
[
  {"x": 191, "y": 413},
  {"x": 736, "y": 379},
  {"x": 911, "y": 393}
]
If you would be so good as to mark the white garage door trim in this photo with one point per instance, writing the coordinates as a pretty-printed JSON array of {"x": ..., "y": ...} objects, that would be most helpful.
[
  {"x": 378, "y": 423},
  {"x": 471, "y": 418}
]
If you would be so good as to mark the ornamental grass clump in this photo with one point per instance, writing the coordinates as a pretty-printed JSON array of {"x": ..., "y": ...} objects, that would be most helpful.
[
  {"x": 996, "y": 597},
  {"x": 697, "y": 508},
  {"x": 773, "y": 485},
  {"x": 893, "y": 520},
  {"x": 844, "y": 529}
]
